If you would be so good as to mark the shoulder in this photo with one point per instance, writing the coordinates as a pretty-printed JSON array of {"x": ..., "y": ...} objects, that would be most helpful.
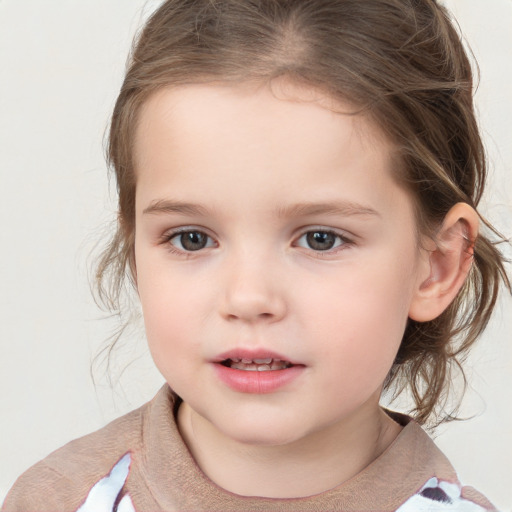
[
  {"x": 435, "y": 483},
  {"x": 63, "y": 478},
  {"x": 448, "y": 496}
]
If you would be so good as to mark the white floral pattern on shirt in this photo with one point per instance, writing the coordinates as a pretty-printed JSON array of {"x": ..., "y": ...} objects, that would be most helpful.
[
  {"x": 104, "y": 496},
  {"x": 439, "y": 496}
]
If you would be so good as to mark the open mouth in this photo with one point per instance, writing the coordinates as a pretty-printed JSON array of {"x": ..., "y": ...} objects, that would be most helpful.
[
  {"x": 257, "y": 373},
  {"x": 256, "y": 365}
]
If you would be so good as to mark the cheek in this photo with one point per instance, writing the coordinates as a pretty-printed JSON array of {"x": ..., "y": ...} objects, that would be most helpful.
[
  {"x": 169, "y": 307},
  {"x": 167, "y": 294},
  {"x": 363, "y": 298},
  {"x": 359, "y": 348},
  {"x": 360, "y": 320},
  {"x": 171, "y": 341}
]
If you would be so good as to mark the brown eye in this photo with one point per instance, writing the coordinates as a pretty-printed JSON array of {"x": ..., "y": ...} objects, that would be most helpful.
[{"x": 191, "y": 240}]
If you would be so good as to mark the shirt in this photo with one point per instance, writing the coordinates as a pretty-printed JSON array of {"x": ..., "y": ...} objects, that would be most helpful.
[{"x": 139, "y": 462}]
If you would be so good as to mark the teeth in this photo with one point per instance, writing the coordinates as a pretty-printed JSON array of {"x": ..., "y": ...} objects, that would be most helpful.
[
  {"x": 279, "y": 365},
  {"x": 239, "y": 366},
  {"x": 259, "y": 365}
]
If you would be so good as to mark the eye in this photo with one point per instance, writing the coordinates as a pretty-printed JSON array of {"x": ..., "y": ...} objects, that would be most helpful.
[
  {"x": 321, "y": 240},
  {"x": 191, "y": 240}
]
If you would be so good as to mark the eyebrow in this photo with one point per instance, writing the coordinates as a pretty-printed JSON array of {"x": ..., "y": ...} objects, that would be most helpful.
[
  {"x": 342, "y": 208},
  {"x": 167, "y": 206}
]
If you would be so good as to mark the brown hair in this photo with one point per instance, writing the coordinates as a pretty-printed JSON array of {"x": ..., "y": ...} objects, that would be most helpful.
[{"x": 400, "y": 61}]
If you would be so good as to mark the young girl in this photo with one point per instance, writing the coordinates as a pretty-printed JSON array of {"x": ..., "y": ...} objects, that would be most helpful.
[{"x": 298, "y": 184}]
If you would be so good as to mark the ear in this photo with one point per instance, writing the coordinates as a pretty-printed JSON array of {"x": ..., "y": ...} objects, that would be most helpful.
[{"x": 448, "y": 262}]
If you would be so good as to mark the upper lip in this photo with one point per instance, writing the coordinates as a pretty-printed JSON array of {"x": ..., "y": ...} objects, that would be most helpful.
[{"x": 252, "y": 354}]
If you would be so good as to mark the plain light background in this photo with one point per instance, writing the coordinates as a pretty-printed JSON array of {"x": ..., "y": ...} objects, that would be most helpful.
[{"x": 61, "y": 65}]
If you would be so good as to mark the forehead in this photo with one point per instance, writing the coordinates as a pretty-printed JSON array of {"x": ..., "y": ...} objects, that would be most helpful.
[
  {"x": 273, "y": 143},
  {"x": 192, "y": 111}
]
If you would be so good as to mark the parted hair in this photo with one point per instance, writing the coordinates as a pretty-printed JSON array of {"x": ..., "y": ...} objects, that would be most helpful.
[{"x": 402, "y": 63}]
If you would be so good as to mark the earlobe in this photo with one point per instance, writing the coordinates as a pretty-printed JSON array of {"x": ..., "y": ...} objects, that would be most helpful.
[{"x": 449, "y": 262}]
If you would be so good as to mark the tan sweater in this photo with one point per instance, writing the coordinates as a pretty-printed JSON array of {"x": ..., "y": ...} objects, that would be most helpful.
[{"x": 410, "y": 475}]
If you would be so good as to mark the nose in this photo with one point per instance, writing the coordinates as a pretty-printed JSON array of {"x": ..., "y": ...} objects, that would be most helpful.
[{"x": 253, "y": 292}]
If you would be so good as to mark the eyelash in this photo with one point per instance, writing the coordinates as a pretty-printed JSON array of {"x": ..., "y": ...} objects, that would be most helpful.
[{"x": 342, "y": 241}]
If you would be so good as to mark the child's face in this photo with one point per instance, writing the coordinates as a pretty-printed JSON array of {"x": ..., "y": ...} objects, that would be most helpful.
[{"x": 269, "y": 228}]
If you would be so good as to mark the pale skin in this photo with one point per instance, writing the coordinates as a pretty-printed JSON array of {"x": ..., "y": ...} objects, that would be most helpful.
[{"x": 254, "y": 175}]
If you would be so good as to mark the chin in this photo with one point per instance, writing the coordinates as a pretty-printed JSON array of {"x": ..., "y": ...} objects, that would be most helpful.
[{"x": 262, "y": 433}]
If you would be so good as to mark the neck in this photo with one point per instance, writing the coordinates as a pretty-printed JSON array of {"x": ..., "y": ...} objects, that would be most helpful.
[{"x": 309, "y": 466}]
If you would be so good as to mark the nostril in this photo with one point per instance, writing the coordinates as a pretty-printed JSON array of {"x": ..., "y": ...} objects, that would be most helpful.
[{"x": 252, "y": 304}]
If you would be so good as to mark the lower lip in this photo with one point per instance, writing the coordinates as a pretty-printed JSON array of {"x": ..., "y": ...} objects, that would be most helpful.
[{"x": 255, "y": 382}]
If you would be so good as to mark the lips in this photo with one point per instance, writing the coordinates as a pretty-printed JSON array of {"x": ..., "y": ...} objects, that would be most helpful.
[
  {"x": 256, "y": 372},
  {"x": 256, "y": 365}
]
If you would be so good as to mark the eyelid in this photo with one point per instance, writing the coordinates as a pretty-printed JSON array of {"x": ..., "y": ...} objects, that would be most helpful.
[{"x": 346, "y": 235}]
